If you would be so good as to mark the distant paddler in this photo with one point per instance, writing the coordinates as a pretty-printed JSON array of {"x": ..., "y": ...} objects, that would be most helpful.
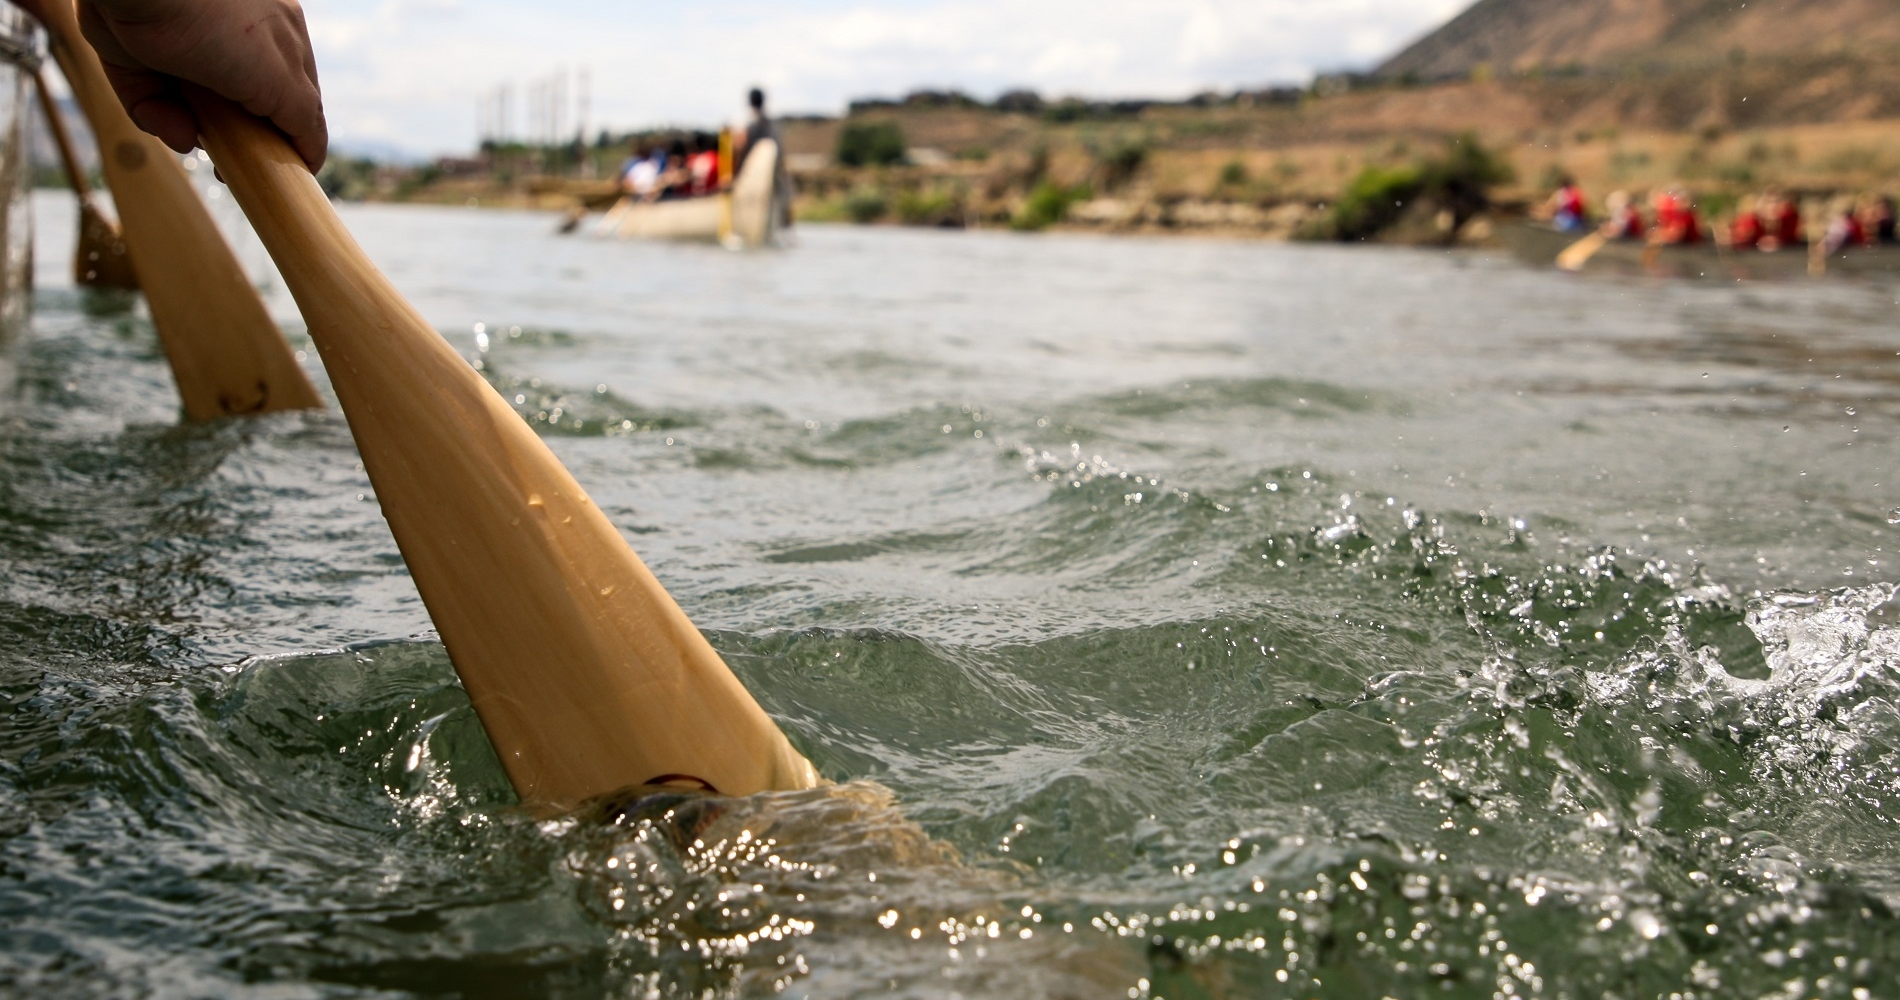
[
  {"x": 227, "y": 356},
  {"x": 100, "y": 257},
  {"x": 1624, "y": 222},
  {"x": 760, "y": 129}
]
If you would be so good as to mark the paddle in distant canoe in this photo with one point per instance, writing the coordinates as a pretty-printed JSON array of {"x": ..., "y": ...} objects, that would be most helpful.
[{"x": 1541, "y": 246}]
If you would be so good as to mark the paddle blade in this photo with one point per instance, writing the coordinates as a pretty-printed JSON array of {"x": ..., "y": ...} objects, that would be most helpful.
[
  {"x": 101, "y": 259},
  {"x": 227, "y": 356},
  {"x": 1577, "y": 254},
  {"x": 586, "y": 674}
]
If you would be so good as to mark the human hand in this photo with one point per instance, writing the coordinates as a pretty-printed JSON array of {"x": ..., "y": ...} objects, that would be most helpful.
[{"x": 254, "y": 52}]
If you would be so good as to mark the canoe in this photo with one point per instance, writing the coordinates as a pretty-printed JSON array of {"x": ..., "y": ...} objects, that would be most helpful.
[
  {"x": 745, "y": 216},
  {"x": 1539, "y": 246}
]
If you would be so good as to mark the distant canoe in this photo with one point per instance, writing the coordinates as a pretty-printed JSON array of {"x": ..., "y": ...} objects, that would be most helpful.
[
  {"x": 1539, "y": 246},
  {"x": 745, "y": 216}
]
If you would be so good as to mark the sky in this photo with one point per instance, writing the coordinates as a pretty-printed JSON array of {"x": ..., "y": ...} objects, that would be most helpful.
[{"x": 407, "y": 75}]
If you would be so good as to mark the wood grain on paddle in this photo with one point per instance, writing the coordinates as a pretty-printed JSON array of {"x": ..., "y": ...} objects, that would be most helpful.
[
  {"x": 227, "y": 356},
  {"x": 586, "y": 674}
]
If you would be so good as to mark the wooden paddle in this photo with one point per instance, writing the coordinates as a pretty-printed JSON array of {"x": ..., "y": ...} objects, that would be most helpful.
[
  {"x": 100, "y": 259},
  {"x": 586, "y": 674},
  {"x": 226, "y": 355},
  {"x": 1577, "y": 254}
]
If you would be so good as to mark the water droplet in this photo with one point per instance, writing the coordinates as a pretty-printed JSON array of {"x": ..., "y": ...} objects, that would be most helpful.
[
  {"x": 1785, "y": 430},
  {"x": 1852, "y": 412},
  {"x": 1893, "y": 516}
]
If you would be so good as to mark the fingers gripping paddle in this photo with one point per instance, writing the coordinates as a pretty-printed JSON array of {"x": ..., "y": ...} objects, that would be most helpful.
[
  {"x": 586, "y": 674},
  {"x": 226, "y": 355},
  {"x": 100, "y": 260}
]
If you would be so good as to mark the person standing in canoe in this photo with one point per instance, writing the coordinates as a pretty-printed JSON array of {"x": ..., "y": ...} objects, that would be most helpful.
[
  {"x": 254, "y": 52},
  {"x": 759, "y": 126}
]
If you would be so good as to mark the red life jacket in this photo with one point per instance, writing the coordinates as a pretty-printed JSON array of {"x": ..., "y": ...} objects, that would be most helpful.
[
  {"x": 1570, "y": 200},
  {"x": 1676, "y": 221},
  {"x": 704, "y": 168},
  {"x": 1856, "y": 234},
  {"x": 1788, "y": 224}
]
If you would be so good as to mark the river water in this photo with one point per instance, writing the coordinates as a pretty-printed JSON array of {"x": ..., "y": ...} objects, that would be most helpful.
[{"x": 1188, "y": 619}]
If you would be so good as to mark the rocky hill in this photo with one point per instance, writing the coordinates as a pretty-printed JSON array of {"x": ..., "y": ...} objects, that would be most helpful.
[{"x": 1520, "y": 36}]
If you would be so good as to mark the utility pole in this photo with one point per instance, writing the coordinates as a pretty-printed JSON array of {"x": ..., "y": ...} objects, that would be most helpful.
[{"x": 583, "y": 114}]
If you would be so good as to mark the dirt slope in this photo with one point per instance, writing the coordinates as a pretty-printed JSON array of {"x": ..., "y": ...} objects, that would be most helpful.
[{"x": 1524, "y": 35}]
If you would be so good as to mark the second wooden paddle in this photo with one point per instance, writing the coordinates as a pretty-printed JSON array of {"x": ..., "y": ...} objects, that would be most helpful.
[
  {"x": 586, "y": 674},
  {"x": 100, "y": 257},
  {"x": 227, "y": 356}
]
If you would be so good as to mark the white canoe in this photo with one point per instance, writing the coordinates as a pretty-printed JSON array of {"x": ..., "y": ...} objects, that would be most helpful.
[{"x": 745, "y": 216}]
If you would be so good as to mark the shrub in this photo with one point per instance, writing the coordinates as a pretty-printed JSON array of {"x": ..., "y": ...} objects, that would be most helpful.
[
  {"x": 1462, "y": 180},
  {"x": 1234, "y": 175},
  {"x": 866, "y": 207},
  {"x": 1375, "y": 199},
  {"x": 871, "y": 144},
  {"x": 1048, "y": 204},
  {"x": 1459, "y": 182},
  {"x": 1021, "y": 102},
  {"x": 1121, "y": 160},
  {"x": 929, "y": 208}
]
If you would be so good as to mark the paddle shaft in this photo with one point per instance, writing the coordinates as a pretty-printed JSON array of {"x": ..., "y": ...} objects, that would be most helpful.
[
  {"x": 227, "y": 356},
  {"x": 586, "y": 674},
  {"x": 100, "y": 257},
  {"x": 62, "y": 139}
]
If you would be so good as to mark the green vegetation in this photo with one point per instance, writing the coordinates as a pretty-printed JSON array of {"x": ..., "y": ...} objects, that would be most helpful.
[
  {"x": 1120, "y": 160},
  {"x": 871, "y": 144},
  {"x": 1375, "y": 200},
  {"x": 941, "y": 209},
  {"x": 1048, "y": 204},
  {"x": 1460, "y": 182},
  {"x": 866, "y": 206},
  {"x": 347, "y": 179},
  {"x": 869, "y": 204},
  {"x": 1234, "y": 175}
]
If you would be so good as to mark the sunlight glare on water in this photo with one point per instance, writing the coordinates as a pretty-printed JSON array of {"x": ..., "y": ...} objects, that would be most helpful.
[{"x": 1181, "y": 618}]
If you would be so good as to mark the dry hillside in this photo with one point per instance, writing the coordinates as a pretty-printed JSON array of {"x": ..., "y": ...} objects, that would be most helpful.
[
  {"x": 1515, "y": 36},
  {"x": 1718, "y": 96}
]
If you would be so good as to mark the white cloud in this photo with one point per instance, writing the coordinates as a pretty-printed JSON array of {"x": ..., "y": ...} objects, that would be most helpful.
[{"x": 408, "y": 72}]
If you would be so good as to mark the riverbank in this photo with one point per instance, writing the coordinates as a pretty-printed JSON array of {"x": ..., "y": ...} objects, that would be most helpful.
[{"x": 1273, "y": 164}]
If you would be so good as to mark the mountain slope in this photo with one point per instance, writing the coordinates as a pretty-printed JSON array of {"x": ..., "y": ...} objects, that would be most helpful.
[{"x": 1522, "y": 35}]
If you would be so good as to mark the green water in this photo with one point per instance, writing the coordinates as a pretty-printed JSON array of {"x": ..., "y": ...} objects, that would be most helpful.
[{"x": 1187, "y": 619}]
